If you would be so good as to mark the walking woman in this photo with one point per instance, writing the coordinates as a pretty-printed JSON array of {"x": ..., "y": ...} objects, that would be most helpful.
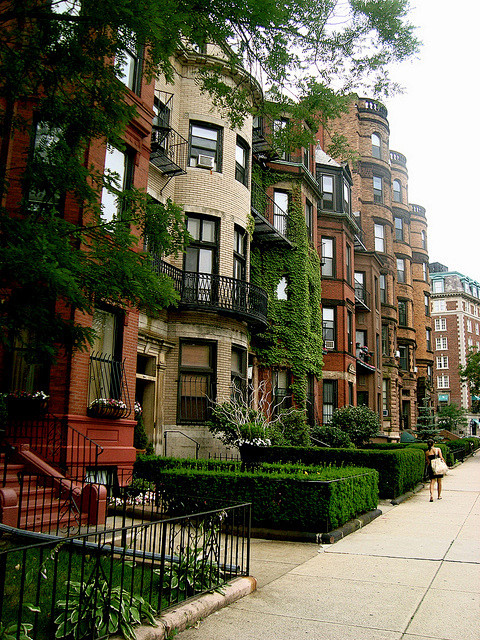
[{"x": 432, "y": 453}]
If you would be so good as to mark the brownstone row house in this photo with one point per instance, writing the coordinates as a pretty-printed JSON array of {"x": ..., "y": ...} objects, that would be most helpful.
[{"x": 284, "y": 248}]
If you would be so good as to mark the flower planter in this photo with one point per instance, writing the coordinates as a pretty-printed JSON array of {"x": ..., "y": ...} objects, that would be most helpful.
[
  {"x": 26, "y": 407},
  {"x": 106, "y": 411}
]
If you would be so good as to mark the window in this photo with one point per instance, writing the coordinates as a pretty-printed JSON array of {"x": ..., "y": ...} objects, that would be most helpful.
[
  {"x": 375, "y": 290},
  {"x": 196, "y": 380},
  {"x": 377, "y": 189},
  {"x": 439, "y": 305},
  {"x": 397, "y": 191},
  {"x": 129, "y": 65},
  {"x": 425, "y": 271},
  {"x": 328, "y": 262},
  {"x": 327, "y": 200},
  {"x": 427, "y": 304},
  {"x": 385, "y": 349},
  {"x": 200, "y": 259},
  {"x": 429, "y": 372},
  {"x": 119, "y": 171},
  {"x": 351, "y": 399},
  {"x": 329, "y": 329},
  {"x": 278, "y": 126},
  {"x": 280, "y": 209},
  {"x": 379, "y": 232},
  {"x": 377, "y": 350},
  {"x": 282, "y": 398},
  {"x": 385, "y": 395},
  {"x": 476, "y": 328},
  {"x": 329, "y": 400},
  {"x": 201, "y": 253},
  {"x": 309, "y": 219},
  {"x": 239, "y": 253},
  {"x": 442, "y": 362},
  {"x": 403, "y": 360},
  {"x": 402, "y": 313},
  {"x": 205, "y": 146},
  {"x": 440, "y": 324},
  {"x": 106, "y": 375},
  {"x": 469, "y": 326},
  {"x": 239, "y": 374},
  {"x": 346, "y": 197},
  {"x": 398, "y": 228},
  {"x": 282, "y": 292},
  {"x": 429, "y": 338},
  {"x": 306, "y": 157},
  {"x": 350, "y": 332},
  {"x": 441, "y": 343},
  {"x": 383, "y": 288},
  {"x": 241, "y": 161},
  {"x": 348, "y": 264},
  {"x": 376, "y": 146},
  {"x": 360, "y": 291},
  {"x": 443, "y": 382},
  {"x": 400, "y": 269},
  {"x": 438, "y": 286},
  {"x": 45, "y": 137},
  {"x": 25, "y": 375},
  {"x": 424, "y": 240}
]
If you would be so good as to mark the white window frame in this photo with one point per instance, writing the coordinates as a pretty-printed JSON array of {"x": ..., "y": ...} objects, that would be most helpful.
[
  {"x": 379, "y": 235},
  {"x": 441, "y": 343},
  {"x": 442, "y": 362},
  {"x": 443, "y": 382},
  {"x": 440, "y": 324}
]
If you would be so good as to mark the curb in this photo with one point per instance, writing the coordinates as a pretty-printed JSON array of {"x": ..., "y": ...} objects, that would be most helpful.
[
  {"x": 317, "y": 538},
  {"x": 188, "y": 614},
  {"x": 408, "y": 494}
]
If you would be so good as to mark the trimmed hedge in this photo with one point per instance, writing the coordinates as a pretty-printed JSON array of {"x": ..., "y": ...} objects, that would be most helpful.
[
  {"x": 283, "y": 497},
  {"x": 399, "y": 470}
]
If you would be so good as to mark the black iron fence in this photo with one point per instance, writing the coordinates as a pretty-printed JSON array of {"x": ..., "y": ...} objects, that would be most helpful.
[{"x": 99, "y": 583}]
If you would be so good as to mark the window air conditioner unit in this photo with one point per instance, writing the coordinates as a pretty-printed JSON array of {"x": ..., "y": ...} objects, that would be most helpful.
[
  {"x": 329, "y": 344},
  {"x": 206, "y": 162},
  {"x": 385, "y": 413},
  {"x": 397, "y": 354}
]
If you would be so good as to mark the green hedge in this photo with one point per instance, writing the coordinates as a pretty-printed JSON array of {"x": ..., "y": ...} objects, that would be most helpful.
[
  {"x": 399, "y": 470},
  {"x": 283, "y": 497}
]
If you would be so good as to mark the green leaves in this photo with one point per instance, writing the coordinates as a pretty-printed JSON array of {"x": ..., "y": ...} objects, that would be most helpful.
[{"x": 98, "y": 607}]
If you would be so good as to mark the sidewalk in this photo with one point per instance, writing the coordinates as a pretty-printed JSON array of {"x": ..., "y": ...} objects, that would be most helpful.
[{"x": 411, "y": 574}]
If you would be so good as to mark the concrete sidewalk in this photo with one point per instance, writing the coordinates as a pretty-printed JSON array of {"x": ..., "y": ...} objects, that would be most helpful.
[{"x": 411, "y": 574}]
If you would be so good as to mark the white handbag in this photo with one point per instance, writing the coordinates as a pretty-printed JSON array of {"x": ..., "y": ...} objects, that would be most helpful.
[{"x": 439, "y": 467}]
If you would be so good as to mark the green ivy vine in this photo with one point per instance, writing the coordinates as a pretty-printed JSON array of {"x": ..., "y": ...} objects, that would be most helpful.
[{"x": 294, "y": 336}]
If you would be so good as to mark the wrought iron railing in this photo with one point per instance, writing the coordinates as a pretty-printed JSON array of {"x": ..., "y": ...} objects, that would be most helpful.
[
  {"x": 169, "y": 151},
  {"x": 56, "y": 442},
  {"x": 362, "y": 296},
  {"x": 67, "y": 587},
  {"x": 213, "y": 292},
  {"x": 108, "y": 391},
  {"x": 196, "y": 393},
  {"x": 262, "y": 204}
]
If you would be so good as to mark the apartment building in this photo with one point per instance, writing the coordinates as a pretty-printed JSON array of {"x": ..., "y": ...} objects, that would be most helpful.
[
  {"x": 390, "y": 271},
  {"x": 455, "y": 305}
]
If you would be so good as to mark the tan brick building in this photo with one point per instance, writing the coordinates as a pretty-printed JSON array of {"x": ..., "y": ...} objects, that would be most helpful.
[{"x": 455, "y": 303}]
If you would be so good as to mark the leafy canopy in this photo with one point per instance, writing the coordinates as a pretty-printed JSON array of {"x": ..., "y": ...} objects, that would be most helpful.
[
  {"x": 65, "y": 56},
  {"x": 470, "y": 373},
  {"x": 359, "y": 423}
]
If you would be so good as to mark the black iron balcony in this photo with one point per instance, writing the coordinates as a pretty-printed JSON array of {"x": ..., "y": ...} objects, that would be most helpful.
[
  {"x": 271, "y": 222},
  {"x": 362, "y": 298},
  {"x": 169, "y": 150},
  {"x": 220, "y": 294}
]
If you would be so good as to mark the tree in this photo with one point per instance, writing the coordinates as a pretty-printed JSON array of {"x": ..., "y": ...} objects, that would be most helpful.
[
  {"x": 359, "y": 423},
  {"x": 426, "y": 427},
  {"x": 66, "y": 55},
  {"x": 470, "y": 374},
  {"x": 452, "y": 417}
]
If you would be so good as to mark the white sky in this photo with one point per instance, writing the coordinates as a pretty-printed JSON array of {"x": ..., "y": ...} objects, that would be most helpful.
[{"x": 436, "y": 125}]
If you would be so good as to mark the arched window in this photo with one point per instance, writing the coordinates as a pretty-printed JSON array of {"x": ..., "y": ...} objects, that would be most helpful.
[
  {"x": 397, "y": 191},
  {"x": 376, "y": 146}
]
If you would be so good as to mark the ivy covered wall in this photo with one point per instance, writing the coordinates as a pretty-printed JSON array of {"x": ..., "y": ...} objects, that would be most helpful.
[{"x": 294, "y": 336}]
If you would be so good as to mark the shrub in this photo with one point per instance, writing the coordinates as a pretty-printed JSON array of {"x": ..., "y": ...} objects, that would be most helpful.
[
  {"x": 359, "y": 423},
  {"x": 399, "y": 469},
  {"x": 290, "y": 429},
  {"x": 331, "y": 436},
  {"x": 299, "y": 498}
]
